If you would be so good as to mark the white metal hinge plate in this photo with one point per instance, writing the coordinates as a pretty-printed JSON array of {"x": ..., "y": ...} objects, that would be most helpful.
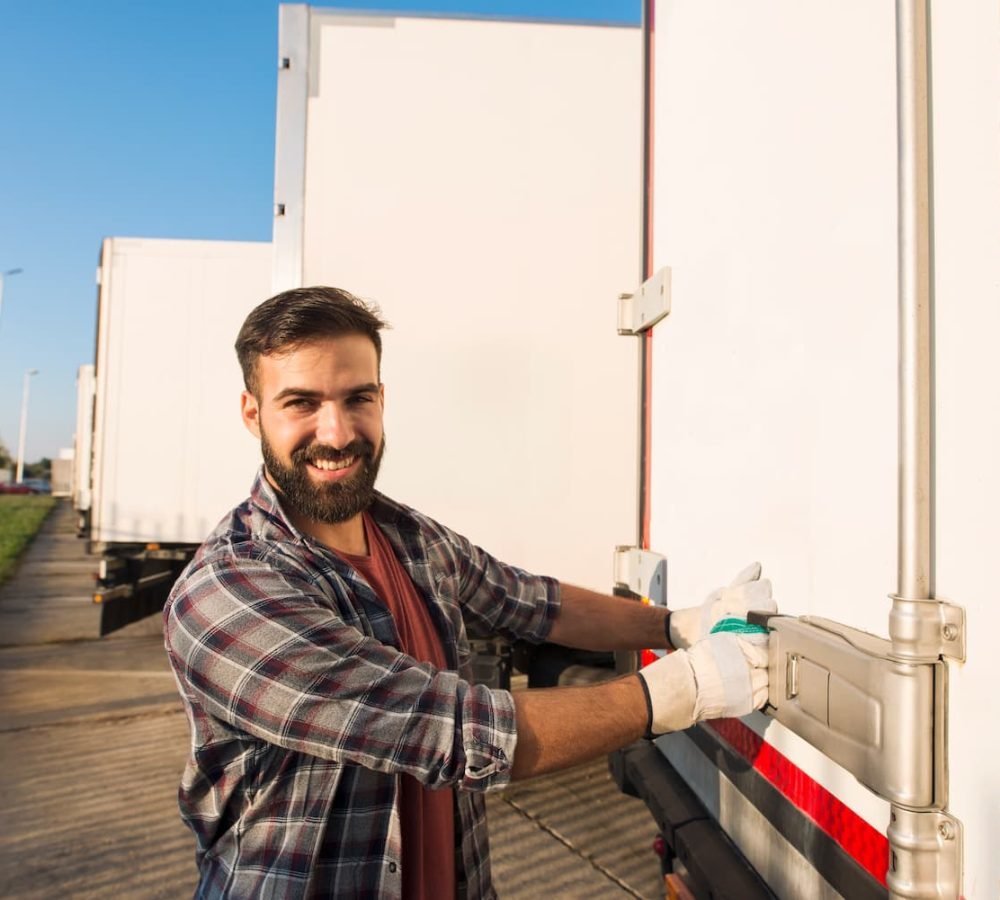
[
  {"x": 647, "y": 306},
  {"x": 643, "y": 572}
]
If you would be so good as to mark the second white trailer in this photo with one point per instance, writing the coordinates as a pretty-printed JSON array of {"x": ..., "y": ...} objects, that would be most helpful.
[
  {"x": 167, "y": 462},
  {"x": 481, "y": 184}
]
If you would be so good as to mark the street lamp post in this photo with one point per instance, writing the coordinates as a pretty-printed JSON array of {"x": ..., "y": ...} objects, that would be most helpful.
[{"x": 24, "y": 424}]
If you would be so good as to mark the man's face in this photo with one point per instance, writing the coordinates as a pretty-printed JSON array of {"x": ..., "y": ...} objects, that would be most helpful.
[{"x": 318, "y": 415}]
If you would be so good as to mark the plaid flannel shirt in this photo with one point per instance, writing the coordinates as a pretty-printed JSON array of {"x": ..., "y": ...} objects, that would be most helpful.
[{"x": 304, "y": 713}]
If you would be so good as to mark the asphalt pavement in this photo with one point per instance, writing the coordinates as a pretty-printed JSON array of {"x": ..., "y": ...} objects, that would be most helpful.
[{"x": 93, "y": 739}]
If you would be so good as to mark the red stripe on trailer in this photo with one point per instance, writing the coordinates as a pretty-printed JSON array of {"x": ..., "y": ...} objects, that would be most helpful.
[
  {"x": 866, "y": 845},
  {"x": 647, "y": 657},
  {"x": 646, "y": 425}
]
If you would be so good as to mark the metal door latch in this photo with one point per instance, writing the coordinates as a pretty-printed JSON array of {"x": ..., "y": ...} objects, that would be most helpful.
[{"x": 879, "y": 717}]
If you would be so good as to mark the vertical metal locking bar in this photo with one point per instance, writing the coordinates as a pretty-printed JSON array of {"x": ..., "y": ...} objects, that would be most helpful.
[{"x": 923, "y": 863}]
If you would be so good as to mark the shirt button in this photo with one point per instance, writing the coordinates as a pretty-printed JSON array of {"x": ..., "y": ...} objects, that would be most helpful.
[{"x": 392, "y": 867}]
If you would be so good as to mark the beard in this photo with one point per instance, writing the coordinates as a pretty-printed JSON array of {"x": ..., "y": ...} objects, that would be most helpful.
[{"x": 327, "y": 503}]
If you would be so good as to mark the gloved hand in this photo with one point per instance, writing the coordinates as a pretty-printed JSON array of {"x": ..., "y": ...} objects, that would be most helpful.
[
  {"x": 723, "y": 675},
  {"x": 745, "y": 592}
]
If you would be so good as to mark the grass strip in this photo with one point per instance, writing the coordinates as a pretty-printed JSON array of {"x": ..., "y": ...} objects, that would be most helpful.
[{"x": 21, "y": 515}]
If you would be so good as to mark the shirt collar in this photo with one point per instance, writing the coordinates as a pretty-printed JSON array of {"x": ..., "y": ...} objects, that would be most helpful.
[{"x": 266, "y": 503}]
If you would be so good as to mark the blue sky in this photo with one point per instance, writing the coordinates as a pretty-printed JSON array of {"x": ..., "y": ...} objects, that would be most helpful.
[{"x": 145, "y": 120}]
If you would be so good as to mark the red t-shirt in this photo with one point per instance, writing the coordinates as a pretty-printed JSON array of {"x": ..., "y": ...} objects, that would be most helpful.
[{"x": 427, "y": 817}]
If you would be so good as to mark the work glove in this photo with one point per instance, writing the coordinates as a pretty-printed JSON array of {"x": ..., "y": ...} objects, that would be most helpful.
[
  {"x": 745, "y": 592},
  {"x": 723, "y": 675}
]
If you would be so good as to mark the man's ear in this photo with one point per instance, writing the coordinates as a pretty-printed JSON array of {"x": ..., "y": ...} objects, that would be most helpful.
[{"x": 250, "y": 410}]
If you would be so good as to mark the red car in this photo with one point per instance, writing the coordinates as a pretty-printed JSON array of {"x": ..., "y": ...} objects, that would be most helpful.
[{"x": 12, "y": 488}]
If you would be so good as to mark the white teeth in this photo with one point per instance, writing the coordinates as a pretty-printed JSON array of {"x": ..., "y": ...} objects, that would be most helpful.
[{"x": 328, "y": 465}]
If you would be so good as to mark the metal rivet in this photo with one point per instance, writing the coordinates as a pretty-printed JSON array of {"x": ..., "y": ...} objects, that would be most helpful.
[
  {"x": 947, "y": 831},
  {"x": 950, "y": 632}
]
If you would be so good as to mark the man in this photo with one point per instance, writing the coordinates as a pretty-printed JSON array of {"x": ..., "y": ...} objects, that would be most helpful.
[{"x": 319, "y": 640}]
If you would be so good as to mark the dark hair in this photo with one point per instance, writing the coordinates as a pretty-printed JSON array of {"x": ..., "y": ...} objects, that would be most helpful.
[{"x": 292, "y": 318}]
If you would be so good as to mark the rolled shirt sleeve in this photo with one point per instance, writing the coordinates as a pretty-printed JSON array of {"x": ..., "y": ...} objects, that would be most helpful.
[
  {"x": 494, "y": 597},
  {"x": 499, "y": 598},
  {"x": 258, "y": 644}
]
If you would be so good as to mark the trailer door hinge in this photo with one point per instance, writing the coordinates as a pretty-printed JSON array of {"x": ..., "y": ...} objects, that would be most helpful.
[
  {"x": 925, "y": 629},
  {"x": 643, "y": 572},
  {"x": 645, "y": 307},
  {"x": 925, "y": 860}
]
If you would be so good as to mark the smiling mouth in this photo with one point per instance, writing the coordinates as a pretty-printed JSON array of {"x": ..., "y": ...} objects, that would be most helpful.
[{"x": 329, "y": 465}]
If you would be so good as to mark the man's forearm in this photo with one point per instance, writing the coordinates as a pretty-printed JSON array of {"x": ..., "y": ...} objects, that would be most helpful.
[
  {"x": 566, "y": 726},
  {"x": 592, "y": 621}
]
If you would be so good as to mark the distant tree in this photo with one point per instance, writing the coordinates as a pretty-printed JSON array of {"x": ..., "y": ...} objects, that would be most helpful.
[
  {"x": 6, "y": 460},
  {"x": 40, "y": 469}
]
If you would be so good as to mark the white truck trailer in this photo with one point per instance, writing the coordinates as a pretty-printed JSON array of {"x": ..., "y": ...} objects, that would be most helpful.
[
  {"x": 822, "y": 397},
  {"x": 166, "y": 461},
  {"x": 83, "y": 439},
  {"x": 480, "y": 182}
]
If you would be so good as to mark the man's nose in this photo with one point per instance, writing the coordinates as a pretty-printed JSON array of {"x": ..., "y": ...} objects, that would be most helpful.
[{"x": 333, "y": 426}]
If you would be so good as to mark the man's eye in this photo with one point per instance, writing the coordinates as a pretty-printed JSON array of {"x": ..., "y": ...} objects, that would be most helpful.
[
  {"x": 299, "y": 403},
  {"x": 361, "y": 398}
]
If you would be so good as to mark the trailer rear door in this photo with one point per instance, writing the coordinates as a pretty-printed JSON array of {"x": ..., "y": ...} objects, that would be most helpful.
[
  {"x": 774, "y": 387},
  {"x": 480, "y": 181}
]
